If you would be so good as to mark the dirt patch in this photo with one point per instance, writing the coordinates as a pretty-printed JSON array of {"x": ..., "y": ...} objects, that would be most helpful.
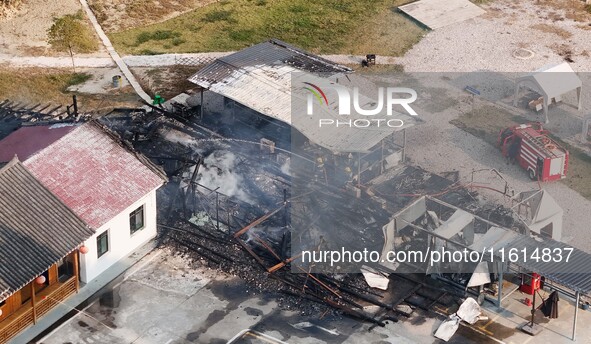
[
  {"x": 564, "y": 50},
  {"x": 40, "y": 85},
  {"x": 573, "y": 9},
  {"x": 549, "y": 28},
  {"x": 117, "y": 15},
  {"x": 25, "y": 32}
]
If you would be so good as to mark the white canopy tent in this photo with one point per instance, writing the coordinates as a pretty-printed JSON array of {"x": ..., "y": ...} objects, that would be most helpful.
[
  {"x": 540, "y": 213},
  {"x": 551, "y": 82}
]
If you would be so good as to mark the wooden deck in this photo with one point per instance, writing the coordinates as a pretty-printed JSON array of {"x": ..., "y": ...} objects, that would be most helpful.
[
  {"x": 27, "y": 315},
  {"x": 439, "y": 13}
]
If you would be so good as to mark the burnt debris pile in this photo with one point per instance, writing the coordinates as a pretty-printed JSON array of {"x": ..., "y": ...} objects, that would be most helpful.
[{"x": 234, "y": 203}]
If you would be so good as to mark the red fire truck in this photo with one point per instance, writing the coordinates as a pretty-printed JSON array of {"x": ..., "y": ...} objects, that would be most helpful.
[{"x": 531, "y": 147}]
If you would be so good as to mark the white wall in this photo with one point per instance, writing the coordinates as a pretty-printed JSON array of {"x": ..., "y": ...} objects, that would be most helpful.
[{"x": 121, "y": 242}]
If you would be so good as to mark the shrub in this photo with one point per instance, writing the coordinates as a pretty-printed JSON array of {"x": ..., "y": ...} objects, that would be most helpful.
[
  {"x": 143, "y": 37},
  {"x": 149, "y": 52},
  {"x": 178, "y": 41},
  {"x": 161, "y": 35}
]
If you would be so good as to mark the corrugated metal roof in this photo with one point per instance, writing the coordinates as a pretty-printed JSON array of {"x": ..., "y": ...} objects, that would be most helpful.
[
  {"x": 574, "y": 274},
  {"x": 264, "y": 78},
  {"x": 36, "y": 228}
]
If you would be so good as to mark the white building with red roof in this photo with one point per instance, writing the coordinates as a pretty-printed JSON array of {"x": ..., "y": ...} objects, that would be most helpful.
[{"x": 106, "y": 184}]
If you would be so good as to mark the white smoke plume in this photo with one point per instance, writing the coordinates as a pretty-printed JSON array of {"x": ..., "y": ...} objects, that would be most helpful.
[{"x": 217, "y": 171}]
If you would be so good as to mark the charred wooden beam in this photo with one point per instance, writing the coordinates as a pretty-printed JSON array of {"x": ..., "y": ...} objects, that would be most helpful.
[
  {"x": 282, "y": 264},
  {"x": 251, "y": 252},
  {"x": 355, "y": 313},
  {"x": 322, "y": 284},
  {"x": 258, "y": 221}
]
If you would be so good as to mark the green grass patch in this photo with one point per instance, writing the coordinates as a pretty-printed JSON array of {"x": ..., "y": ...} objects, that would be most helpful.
[
  {"x": 328, "y": 26},
  {"x": 216, "y": 16},
  {"x": 76, "y": 79},
  {"x": 158, "y": 35},
  {"x": 486, "y": 122}
]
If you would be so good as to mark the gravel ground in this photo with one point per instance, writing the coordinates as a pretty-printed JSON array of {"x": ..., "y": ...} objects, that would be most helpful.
[
  {"x": 439, "y": 146},
  {"x": 489, "y": 42},
  {"x": 25, "y": 33}
]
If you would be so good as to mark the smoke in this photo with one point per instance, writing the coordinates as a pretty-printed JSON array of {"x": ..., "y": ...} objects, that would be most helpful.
[
  {"x": 217, "y": 172},
  {"x": 285, "y": 168},
  {"x": 181, "y": 138}
]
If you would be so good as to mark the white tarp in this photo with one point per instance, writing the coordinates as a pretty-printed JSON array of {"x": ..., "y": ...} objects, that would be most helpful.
[
  {"x": 448, "y": 328},
  {"x": 469, "y": 312},
  {"x": 480, "y": 276},
  {"x": 551, "y": 82},
  {"x": 539, "y": 210},
  {"x": 374, "y": 279},
  {"x": 455, "y": 224}
]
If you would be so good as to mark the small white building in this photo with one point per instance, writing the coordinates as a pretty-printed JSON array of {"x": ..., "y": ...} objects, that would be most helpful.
[{"x": 106, "y": 184}]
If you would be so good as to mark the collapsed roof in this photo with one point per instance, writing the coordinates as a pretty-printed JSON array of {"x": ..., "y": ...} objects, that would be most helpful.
[
  {"x": 460, "y": 229},
  {"x": 268, "y": 78}
]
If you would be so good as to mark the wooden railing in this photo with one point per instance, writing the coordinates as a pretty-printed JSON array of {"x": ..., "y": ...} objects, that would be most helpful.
[{"x": 45, "y": 301}]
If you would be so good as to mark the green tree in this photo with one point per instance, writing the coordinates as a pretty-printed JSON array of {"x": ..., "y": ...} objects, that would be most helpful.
[{"x": 69, "y": 33}]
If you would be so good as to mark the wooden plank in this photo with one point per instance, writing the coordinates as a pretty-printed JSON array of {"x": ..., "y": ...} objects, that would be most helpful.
[
  {"x": 437, "y": 13},
  {"x": 76, "y": 270},
  {"x": 52, "y": 273},
  {"x": 33, "y": 302},
  {"x": 258, "y": 221}
]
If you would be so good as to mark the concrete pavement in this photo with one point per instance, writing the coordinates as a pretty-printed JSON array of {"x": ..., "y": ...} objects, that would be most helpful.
[{"x": 86, "y": 292}]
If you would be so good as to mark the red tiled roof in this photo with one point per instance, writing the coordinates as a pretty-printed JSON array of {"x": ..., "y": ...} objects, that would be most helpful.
[
  {"x": 91, "y": 173},
  {"x": 29, "y": 140}
]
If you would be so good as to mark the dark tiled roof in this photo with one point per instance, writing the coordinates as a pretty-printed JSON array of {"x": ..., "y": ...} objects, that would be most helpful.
[{"x": 36, "y": 228}]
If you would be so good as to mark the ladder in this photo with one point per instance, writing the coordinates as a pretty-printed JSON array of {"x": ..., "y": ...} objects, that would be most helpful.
[{"x": 536, "y": 142}]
